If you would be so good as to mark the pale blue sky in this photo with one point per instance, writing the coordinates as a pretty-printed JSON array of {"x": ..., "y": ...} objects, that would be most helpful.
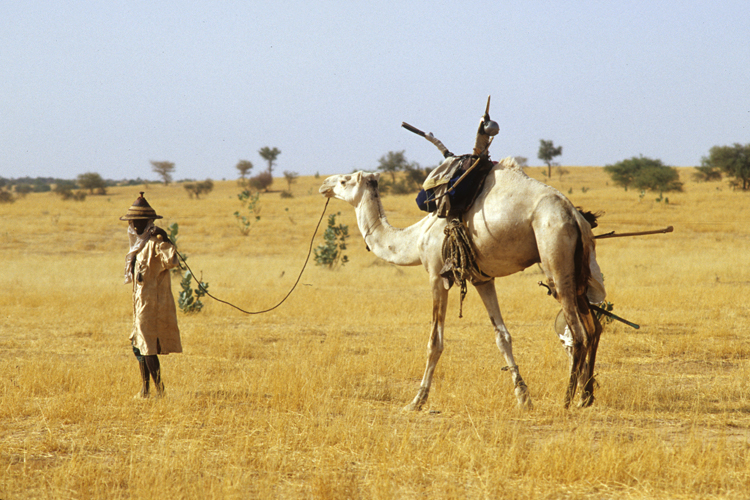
[{"x": 108, "y": 86}]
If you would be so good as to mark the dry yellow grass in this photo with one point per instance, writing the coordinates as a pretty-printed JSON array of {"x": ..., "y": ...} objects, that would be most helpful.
[{"x": 305, "y": 401}]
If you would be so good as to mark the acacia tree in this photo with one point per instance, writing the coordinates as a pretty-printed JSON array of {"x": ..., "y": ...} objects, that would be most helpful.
[
  {"x": 644, "y": 173},
  {"x": 92, "y": 181},
  {"x": 244, "y": 166},
  {"x": 547, "y": 152},
  {"x": 270, "y": 156},
  {"x": 291, "y": 178},
  {"x": 392, "y": 162},
  {"x": 734, "y": 161},
  {"x": 164, "y": 169}
]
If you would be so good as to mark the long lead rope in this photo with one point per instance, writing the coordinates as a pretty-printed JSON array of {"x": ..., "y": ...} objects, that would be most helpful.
[{"x": 309, "y": 251}]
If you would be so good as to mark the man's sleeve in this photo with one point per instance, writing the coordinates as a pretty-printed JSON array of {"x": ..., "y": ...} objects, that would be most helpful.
[{"x": 167, "y": 253}]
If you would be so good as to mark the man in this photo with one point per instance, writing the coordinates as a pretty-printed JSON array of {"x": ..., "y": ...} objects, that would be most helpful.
[{"x": 147, "y": 266}]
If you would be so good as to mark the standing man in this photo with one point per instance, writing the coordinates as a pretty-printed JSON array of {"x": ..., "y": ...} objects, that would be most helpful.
[{"x": 147, "y": 266}]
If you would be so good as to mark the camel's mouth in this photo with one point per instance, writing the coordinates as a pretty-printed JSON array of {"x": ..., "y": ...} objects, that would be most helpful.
[{"x": 326, "y": 191}]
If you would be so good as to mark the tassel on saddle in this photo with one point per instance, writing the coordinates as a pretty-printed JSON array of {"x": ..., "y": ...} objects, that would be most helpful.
[{"x": 460, "y": 260}]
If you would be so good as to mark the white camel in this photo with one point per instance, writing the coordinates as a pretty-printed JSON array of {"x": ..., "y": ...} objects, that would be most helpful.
[{"x": 514, "y": 223}]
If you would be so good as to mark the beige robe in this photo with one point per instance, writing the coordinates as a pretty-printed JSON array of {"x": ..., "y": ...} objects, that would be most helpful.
[{"x": 155, "y": 328}]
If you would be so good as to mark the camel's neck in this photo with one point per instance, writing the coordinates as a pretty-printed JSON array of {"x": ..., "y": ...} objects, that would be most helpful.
[{"x": 397, "y": 246}]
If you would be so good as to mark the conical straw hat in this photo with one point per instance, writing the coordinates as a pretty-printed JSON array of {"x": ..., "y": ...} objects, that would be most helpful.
[{"x": 140, "y": 210}]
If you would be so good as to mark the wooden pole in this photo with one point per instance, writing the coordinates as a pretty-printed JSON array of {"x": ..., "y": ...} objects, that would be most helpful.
[{"x": 667, "y": 229}]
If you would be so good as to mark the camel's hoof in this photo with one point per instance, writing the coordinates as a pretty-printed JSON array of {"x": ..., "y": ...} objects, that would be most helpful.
[
  {"x": 522, "y": 394},
  {"x": 586, "y": 401},
  {"x": 412, "y": 406},
  {"x": 525, "y": 403}
]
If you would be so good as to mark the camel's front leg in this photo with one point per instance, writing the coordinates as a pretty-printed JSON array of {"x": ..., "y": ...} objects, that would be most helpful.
[
  {"x": 435, "y": 345},
  {"x": 503, "y": 340}
]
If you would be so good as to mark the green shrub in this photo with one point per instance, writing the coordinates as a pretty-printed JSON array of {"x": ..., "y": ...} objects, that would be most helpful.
[
  {"x": 251, "y": 205},
  {"x": 190, "y": 300},
  {"x": 331, "y": 252}
]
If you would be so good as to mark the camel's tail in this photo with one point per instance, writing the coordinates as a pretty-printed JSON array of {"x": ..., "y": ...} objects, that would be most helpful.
[{"x": 584, "y": 247}]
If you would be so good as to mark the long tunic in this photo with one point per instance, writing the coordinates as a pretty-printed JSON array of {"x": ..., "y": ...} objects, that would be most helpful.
[{"x": 155, "y": 328}]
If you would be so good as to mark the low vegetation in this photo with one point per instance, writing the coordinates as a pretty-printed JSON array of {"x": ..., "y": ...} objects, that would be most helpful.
[
  {"x": 331, "y": 252},
  {"x": 199, "y": 189}
]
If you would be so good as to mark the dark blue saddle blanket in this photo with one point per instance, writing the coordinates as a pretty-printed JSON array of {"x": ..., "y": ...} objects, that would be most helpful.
[{"x": 463, "y": 195}]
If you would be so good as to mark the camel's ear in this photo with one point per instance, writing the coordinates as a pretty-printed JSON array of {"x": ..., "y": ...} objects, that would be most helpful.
[
  {"x": 376, "y": 175},
  {"x": 358, "y": 176}
]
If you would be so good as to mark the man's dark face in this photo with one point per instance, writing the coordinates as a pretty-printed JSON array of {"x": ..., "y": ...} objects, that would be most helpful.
[{"x": 140, "y": 225}]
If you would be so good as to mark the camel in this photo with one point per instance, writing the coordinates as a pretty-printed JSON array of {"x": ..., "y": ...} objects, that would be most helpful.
[{"x": 515, "y": 222}]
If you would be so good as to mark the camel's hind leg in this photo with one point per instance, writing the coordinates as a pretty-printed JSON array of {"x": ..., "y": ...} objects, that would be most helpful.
[
  {"x": 576, "y": 352},
  {"x": 435, "y": 345},
  {"x": 557, "y": 240},
  {"x": 503, "y": 340},
  {"x": 587, "y": 391}
]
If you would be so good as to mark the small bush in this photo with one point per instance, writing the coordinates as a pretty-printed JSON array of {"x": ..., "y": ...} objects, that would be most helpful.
[
  {"x": 23, "y": 189},
  {"x": 707, "y": 173},
  {"x": 69, "y": 194},
  {"x": 198, "y": 188},
  {"x": 251, "y": 205},
  {"x": 190, "y": 300},
  {"x": 331, "y": 252},
  {"x": 262, "y": 181}
]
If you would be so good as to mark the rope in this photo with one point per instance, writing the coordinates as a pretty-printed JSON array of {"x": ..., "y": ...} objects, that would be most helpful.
[
  {"x": 459, "y": 256},
  {"x": 309, "y": 251}
]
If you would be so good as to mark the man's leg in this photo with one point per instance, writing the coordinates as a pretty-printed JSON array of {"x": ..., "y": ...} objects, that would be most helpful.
[
  {"x": 144, "y": 373},
  {"x": 152, "y": 363}
]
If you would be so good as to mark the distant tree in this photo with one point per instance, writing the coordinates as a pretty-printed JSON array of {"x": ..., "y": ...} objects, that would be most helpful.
[
  {"x": 244, "y": 167},
  {"x": 733, "y": 160},
  {"x": 707, "y": 173},
  {"x": 262, "y": 181},
  {"x": 23, "y": 189},
  {"x": 392, "y": 162},
  {"x": 562, "y": 171},
  {"x": 291, "y": 178},
  {"x": 547, "y": 152},
  {"x": 64, "y": 189},
  {"x": 644, "y": 173},
  {"x": 198, "y": 188},
  {"x": 270, "y": 156},
  {"x": 416, "y": 175},
  {"x": 92, "y": 181},
  {"x": 65, "y": 185},
  {"x": 6, "y": 196},
  {"x": 522, "y": 161},
  {"x": 164, "y": 169}
]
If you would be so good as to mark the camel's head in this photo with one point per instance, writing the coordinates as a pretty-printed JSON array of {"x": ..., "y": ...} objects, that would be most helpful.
[{"x": 349, "y": 187}]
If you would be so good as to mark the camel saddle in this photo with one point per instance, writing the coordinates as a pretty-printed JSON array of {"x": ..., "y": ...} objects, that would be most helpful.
[{"x": 439, "y": 195}]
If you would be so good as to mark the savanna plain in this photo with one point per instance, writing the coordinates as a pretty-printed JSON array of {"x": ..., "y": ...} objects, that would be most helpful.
[{"x": 306, "y": 401}]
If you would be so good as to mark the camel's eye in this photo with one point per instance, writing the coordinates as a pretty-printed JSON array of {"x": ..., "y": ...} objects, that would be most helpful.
[{"x": 343, "y": 182}]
